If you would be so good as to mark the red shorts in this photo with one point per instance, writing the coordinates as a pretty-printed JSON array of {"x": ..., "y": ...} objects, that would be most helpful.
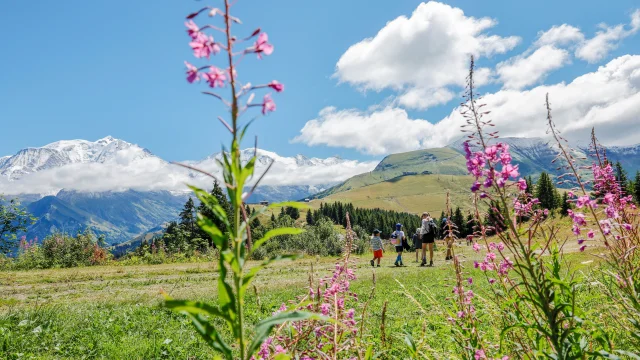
[{"x": 377, "y": 254}]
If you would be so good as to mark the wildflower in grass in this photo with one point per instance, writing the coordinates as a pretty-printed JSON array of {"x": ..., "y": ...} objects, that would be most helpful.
[{"x": 591, "y": 234}]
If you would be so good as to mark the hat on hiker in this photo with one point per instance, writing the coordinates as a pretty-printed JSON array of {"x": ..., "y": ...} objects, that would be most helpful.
[{"x": 398, "y": 226}]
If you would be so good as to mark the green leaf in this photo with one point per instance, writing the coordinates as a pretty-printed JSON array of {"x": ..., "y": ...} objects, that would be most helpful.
[
  {"x": 195, "y": 307},
  {"x": 629, "y": 354},
  {"x": 212, "y": 204},
  {"x": 275, "y": 232},
  {"x": 264, "y": 327},
  {"x": 196, "y": 311},
  {"x": 212, "y": 230}
]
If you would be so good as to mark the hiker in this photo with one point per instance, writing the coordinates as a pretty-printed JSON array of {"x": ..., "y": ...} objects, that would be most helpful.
[
  {"x": 428, "y": 232},
  {"x": 417, "y": 243},
  {"x": 399, "y": 237},
  {"x": 376, "y": 246}
]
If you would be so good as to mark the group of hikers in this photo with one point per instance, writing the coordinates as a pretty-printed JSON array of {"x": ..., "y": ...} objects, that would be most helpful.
[{"x": 423, "y": 239}]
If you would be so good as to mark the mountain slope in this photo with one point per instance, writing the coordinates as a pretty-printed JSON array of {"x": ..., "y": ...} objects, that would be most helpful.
[
  {"x": 533, "y": 155},
  {"x": 118, "y": 216}
]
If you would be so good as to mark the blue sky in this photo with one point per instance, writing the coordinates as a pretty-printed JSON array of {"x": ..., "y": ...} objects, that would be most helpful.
[{"x": 81, "y": 69}]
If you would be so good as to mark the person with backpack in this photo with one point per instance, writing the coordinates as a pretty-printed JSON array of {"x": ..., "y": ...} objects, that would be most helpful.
[
  {"x": 399, "y": 237},
  {"x": 417, "y": 243},
  {"x": 428, "y": 232}
]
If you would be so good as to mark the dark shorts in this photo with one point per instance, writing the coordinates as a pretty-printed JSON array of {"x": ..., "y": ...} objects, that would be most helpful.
[
  {"x": 428, "y": 239},
  {"x": 417, "y": 244},
  {"x": 399, "y": 248}
]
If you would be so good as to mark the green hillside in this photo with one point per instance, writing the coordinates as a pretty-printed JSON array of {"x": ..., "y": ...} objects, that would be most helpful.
[
  {"x": 413, "y": 194},
  {"x": 419, "y": 162}
]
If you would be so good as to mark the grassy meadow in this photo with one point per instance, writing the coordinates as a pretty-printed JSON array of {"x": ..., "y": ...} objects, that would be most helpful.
[{"x": 115, "y": 312}]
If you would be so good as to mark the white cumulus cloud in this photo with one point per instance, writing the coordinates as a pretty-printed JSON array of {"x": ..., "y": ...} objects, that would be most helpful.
[
  {"x": 428, "y": 51},
  {"x": 607, "y": 39},
  {"x": 608, "y": 99},
  {"x": 560, "y": 35},
  {"x": 524, "y": 70}
]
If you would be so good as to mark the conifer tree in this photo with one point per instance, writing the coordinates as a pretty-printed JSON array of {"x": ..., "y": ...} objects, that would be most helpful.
[
  {"x": 310, "y": 221},
  {"x": 188, "y": 216},
  {"x": 621, "y": 177},
  {"x": 273, "y": 218},
  {"x": 545, "y": 192},
  {"x": 565, "y": 206}
]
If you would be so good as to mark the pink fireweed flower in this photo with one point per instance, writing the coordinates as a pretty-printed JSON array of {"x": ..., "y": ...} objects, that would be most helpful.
[
  {"x": 479, "y": 355},
  {"x": 192, "y": 29},
  {"x": 325, "y": 308},
  {"x": 611, "y": 212},
  {"x": 275, "y": 85},
  {"x": 460, "y": 314},
  {"x": 606, "y": 226},
  {"x": 490, "y": 257},
  {"x": 492, "y": 280},
  {"x": 582, "y": 248},
  {"x": 261, "y": 45},
  {"x": 608, "y": 198},
  {"x": 505, "y": 157},
  {"x": 476, "y": 247},
  {"x": 570, "y": 194},
  {"x": 522, "y": 184},
  {"x": 576, "y": 229},
  {"x": 215, "y": 77},
  {"x": 203, "y": 46},
  {"x": 626, "y": 227},
  {"x": 491, "y": 152},
  {"x": 268, "y": 105},
  {"x": 476, "y": 264},
  {"x": 501, "y": 182},
  {"x": 470, "y": 281},
  {"x": 500, "y": 246},
  {"x": 581, "y": 241},
  {"x": 583, "y": 201},
  {"x": 192, "y": 73},
  {"x": 475, "y": 187},
  {"x": 488, "y": 182},
  {"x": 492, "y": 246},
  {"x": 591, "y": 234},
  {"x": 509, "y": 171}
]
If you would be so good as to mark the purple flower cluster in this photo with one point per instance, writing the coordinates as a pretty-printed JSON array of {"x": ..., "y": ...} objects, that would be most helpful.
[{"x": 483, "y": 166}]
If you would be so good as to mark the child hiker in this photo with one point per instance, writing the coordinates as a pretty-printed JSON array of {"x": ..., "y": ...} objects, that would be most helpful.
[
  {"x": 376, "y": 246},
  {"x": 398, "y": 235}
]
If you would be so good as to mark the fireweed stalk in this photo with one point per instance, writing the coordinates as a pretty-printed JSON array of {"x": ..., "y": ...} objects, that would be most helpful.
[
  {"x": 536, "y": 295},
  {"x": 605, "y": 216},
  {"x": 463, "y": 317},
  {"x": 236, "y": 245},
  {"x": 333, "y": 338}
]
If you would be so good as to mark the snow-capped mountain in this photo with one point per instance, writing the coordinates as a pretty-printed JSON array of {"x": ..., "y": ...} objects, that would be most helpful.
[
  {"x": 65, "y": 152},
  {"x": 120, "y": 189}
]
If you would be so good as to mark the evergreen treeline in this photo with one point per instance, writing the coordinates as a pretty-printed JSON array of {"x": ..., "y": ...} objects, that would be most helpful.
[{"x": 369, "y": 219}]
